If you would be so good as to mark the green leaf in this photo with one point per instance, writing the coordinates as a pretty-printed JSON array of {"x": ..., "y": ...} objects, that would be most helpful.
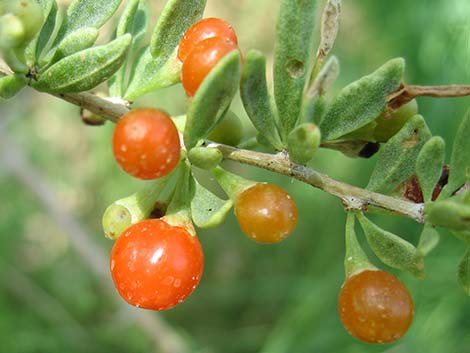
[
  {"x": 303, "y": 143},
  {"x": 391, "y": 249},
  {"x": 429, "y": 165},
  {"x": 84, "y": 70},
  {"x": 256, "y": 98},
  {"x": 212, "y": 99},
  {"x": 464, "y": 272},
  {"x": 176, "y": 17},
  {"x": 293, "y": 53},
  {"x": 428, "y": 240},
  {"x": 355, "y": 259},
  {"x": 207, "y": 210},
  {"x": 86, "y": 13},
  {"x": 11, "y": 85},
  {"x": 314, "y": 109},
  {"x": 36, "y": 46},
  {"x": 134, "y": 20},
  {"x": 362, "y": 101},
  {"x": 459, "y": 171},
  {"x": 73, "y": 43},
  {"x": 397, "y": 158},
  {"x": 149, "y": 74}
]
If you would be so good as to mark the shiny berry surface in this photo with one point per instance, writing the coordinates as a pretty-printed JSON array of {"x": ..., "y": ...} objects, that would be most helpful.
[
  {"x": 204, "y": 29},
  {"x": 375, "y": 307},
  {"x": 155, "y": 265},
  {"x": 146, "y": 144},
  {"x": 266, "y": 213},
  {"x": 202, "y": 60}
]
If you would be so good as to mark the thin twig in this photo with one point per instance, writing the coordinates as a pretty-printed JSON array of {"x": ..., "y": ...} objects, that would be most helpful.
[
  {"x": 407, "y": 93},
  {"x": 352, "y": 196}
]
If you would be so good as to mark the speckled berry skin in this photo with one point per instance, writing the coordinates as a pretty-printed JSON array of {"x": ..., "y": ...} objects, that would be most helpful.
[
  {"x": 204, "y": 29},
  {"x": 266, "y": 213},
  {"x": 202, "y": 59},
  {"x": 146, "y": 144},
  {"x": 375, "y": 307},
  {"x": 155, "y": 265}
]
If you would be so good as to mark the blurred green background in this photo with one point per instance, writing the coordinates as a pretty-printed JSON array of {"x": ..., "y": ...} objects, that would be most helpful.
[{"x": 57, "y": 176}]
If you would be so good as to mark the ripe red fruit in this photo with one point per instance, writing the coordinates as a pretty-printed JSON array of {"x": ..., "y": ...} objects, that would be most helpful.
[
  {"x": 375, "y": 307},
  {"x": 266, "y": 213},
  {"x": 204, "y": 29},
  {"x": 155, "y": 265},
  {"x": 200, "y": 61},
  {"x": 146, "y": 144}
]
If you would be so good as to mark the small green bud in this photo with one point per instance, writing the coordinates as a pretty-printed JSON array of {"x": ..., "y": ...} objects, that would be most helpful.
[
  {"x": 303, "y": 142},
  {"x": 452, "y": 213},
  {"x": 205, "y": 158},
  {"x": 229, "y": 131},
  {"x": 116, "y": 219},
  {"x": 389, "y": 125},
  {"x": 132, "y": 209},
  {"x": 29, "y": 12},
  {"x": 12, "y": 32}
]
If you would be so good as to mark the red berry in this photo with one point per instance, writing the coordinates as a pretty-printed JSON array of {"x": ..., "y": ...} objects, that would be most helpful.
[
  {"x": 375, "y": 307},
  {"x": 146, "y": 144},
  {"x": 266, "y": 213},
  {"x": 155, "y": 265},
  {"x": 201, "y": 60},
  {"x": 204, "y": 29}
]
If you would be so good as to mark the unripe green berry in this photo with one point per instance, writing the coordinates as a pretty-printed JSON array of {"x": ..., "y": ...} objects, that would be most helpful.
[
  {"x": 303, "y": 142},
  {"x": 29, "y": 12},
  {"x": 116, "y": 219},
  {"x": 205, "y": 158},
  {"x": 12, "y": 32}
]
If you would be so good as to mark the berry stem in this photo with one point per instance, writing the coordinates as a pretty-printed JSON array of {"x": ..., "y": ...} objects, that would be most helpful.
[{"x": 355, "y": 259}]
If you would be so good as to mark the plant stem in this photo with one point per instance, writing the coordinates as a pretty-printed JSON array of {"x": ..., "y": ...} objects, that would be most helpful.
[
  {"x": 407, "y": 93},
  {"x": 352, "y": 196}
]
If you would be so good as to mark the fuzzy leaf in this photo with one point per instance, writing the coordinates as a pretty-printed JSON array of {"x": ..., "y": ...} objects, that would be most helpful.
[
  {"x": 428, "y": 240},
  {"x": 392, "y": 250},
  {"x": 37, "y": 45},
  {"x": 459, "y": 162},
  {"x": 149, "y": 74},
  {"x": 134, "y": 20},
  {"x": 212, "y": 99},
  {"x": 397, "y": 158},
  {"x": 429, "y": 165},
  {"x": 86, "y": 13},
  {"x": 292, "y": 59},
  {"x": 207, "y": 210},
  {"x": 73, "y": 43},
  {"x": 175, "y": 19},
  {"x": 256, "y": 98},
  {"x": 329, "y": 26},
  {"x": 362, "y": 101},
  {"x": 464, "y": 272},
  {"x": 84, "y": 70},
  {"x": 11, "y": 85}
]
